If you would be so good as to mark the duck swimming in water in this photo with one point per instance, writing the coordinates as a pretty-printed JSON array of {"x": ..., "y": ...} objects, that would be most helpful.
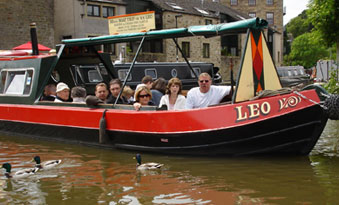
[
  {"x": 45, "y": 165},
  {"x": 19, "y": 174},
  {"x": 147, "y": 166}
]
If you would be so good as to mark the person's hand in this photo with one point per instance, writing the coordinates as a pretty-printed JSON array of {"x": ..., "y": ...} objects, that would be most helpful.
[{"x": 137, "y": 106}]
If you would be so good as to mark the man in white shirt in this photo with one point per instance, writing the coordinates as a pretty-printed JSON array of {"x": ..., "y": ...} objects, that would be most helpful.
[{"x": 206, "y": 94}]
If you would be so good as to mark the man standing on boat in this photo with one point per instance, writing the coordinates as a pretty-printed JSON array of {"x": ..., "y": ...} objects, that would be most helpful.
[{"x": 206, "y": 94}]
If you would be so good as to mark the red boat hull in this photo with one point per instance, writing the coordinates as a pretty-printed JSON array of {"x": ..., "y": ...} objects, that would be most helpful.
[{"x": 281, "y": 124}]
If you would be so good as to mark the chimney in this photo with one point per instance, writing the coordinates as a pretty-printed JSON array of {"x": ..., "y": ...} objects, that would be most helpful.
[{"x": 34, "y": 39}]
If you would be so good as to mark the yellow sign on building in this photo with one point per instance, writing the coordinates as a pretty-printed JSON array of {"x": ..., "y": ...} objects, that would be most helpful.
[{"x": 131, "y": 23}]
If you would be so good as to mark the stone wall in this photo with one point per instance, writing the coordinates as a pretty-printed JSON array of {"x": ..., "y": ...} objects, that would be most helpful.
[{"x": 16, "y": 16}]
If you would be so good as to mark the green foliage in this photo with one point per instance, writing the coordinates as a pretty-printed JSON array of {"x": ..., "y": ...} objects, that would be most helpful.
[
  {"x": 306, "y": 50},
  {"x": 299, "y": 25},
  {"x": 324, "y": 16},
  {"x": 332, "y": 86}
]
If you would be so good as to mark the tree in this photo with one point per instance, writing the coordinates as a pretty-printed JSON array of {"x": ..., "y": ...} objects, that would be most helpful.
[
  {"x": 299, "y": 25},
  {"x": 324, "y": 16},
  {"x": 307, "y": 49}
]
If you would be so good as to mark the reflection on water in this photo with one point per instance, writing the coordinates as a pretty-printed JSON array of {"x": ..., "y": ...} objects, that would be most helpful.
[{"x": 90, "y": 175}]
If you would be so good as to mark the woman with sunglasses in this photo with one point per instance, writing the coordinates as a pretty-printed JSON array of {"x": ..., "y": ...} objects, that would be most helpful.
[
  {"x": 173, "y": 98},
  {"x": 143, "y": 97}
]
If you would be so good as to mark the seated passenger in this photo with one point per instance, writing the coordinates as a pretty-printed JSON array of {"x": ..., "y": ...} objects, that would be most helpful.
[
  {"x": 78, "y": 94},
  {"x": 115, "y": 88},
  {"x": 101, "y": 92},
  {"x": 146, "y": 81},
  {"x": 49, "y": 93},
  {"x": 62, "y": 91},
  {"x": 128, "y": 93},
  {"x": 173, "y": 99},
  {"x": 143, "y": 96},
  {"x": 158, "y": 90},
  {"x": 206, "y": 94}
]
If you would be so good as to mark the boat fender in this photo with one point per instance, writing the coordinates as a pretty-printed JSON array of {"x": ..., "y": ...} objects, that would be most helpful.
[
  {"x": 102, "y": 128},
  {"x": 332, "y": 105},
  {"x": 92, "y": 101}
]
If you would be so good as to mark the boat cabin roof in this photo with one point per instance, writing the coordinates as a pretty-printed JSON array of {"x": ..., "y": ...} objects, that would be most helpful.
[{"x": 199, "y": 30}]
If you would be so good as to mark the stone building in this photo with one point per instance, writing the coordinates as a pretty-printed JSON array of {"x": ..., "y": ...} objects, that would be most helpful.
[
  {"x": 273, "y": 12},
  {"x": 16, "y": 17},
  {"x": 184, "y": 13},
  {"x": 85, "y": 18}
]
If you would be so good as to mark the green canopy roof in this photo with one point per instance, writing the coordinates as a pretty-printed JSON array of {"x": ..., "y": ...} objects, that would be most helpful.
[{"x": 200, "y": 30}]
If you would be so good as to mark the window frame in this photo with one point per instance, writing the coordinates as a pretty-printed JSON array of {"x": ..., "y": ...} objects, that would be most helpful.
[
  {"x": 107, "y": 8},
  {"x": 206, "y": 50},
  {"x": 270, "y": 2},
  {"x": 122, "y": 75},
  {"x": 255, "y": 14},
  {"x": 269, "y": 20},
  {"x": 233, "y": 2},
  {"x": 151, "y": 69},
  {"x": 28, "y": 81},
  {"x": 93, "y": 13},
  {"x": 186, "y": 48},
  {"x": 208, "y": 21},
  {"x": 252, "y": 2}
]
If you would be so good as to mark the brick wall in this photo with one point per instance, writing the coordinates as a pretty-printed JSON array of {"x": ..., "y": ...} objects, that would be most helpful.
[{"x": 16, "y": 16}]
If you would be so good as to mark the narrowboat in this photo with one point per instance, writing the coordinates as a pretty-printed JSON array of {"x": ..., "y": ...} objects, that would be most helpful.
[{"x": 283, "y": 122}]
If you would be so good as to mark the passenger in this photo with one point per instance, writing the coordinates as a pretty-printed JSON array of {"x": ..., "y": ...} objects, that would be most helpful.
[
  {"x": 146, "y": 81},
  {"x": 128, "y": 93},
  {"x": 143, "y": 96},
  {"x": 173, "y": 98},
  {"x": 206, "y": 94},
  {"x": 62, "y": 91},
  {"x": 78, "y": 94},
  {"x": 115, "y": 88},
  {"x": 101, "y": 92},
  {"x": 49, "y": 93},
  {"x": 158, "y": 90}
]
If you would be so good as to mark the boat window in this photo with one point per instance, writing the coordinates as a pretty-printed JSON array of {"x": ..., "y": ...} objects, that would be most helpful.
[
  {"x": 151, "y": 72},
  {"x": 16, "y": 82},
  {"x": 94, "y": 76},
  {"x": 88, "y": 73},
  {"x": 174, "y": 73},
  {"x": 123, "y": 73},
  {"x": 295, "y": 72},
  {"x": 197, "y": 72}
]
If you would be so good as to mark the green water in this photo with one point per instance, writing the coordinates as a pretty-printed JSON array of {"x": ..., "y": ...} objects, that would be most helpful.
[{"x": 90, "y": 175}]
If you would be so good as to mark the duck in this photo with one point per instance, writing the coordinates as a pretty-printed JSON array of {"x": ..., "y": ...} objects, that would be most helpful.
[
  {"x": 45, "y": 165},
  {"x": 147, "y": 166},
  {"x": 19, "y": 174}
]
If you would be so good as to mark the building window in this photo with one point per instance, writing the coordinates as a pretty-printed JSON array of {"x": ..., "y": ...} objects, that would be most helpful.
[
  {"x": 251, "y": 2},
  {"x": 206, "y": 50},
  {"x": 107, "y": 11},
  {"x": 186, "y": 49},
  {"x": 270, "y": 18},
  {"x": 93, "y": 10},
  {"x": 208, "y": 21},
  {"x": 269, "y": 2},
  {"x": 252, "y": 14},
  {"x": 234, "y": 2}
]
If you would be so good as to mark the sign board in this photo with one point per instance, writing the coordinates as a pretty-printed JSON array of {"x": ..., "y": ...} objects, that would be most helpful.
[{"x": 131, "y": 23}]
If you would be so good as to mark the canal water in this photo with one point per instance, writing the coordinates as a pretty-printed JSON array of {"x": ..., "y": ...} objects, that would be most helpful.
[{"x": 91, "y": 175}]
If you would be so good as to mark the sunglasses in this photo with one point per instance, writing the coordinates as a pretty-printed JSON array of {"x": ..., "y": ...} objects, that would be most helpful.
[
  {"x": 204, "y": 81},
  {"x": 144, "y": 96}
]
